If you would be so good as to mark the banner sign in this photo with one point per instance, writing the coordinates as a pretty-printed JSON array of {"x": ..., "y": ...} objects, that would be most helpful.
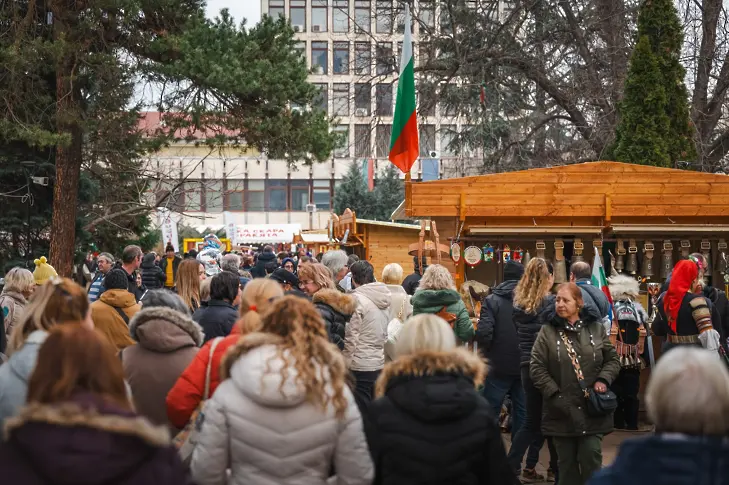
[{"x": 168, "y": 225}]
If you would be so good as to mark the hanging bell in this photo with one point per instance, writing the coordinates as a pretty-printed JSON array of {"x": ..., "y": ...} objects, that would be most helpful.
[
  {"x": 541, "y": 248},
  {"x": 620, "y": 256},
  {"x": 579, "y": 248},
  {"x": 706, "y": 251},
  {"x": 721, "y": 257},
  {"x": 560, "y": 268},
  {"x": 648, "y": 250},
  {"x": 685, "y": 248},
  {"x": 632, "y": 265},
  {"x": 667, "y": 261},
  {"x": 527, "y": 257}
]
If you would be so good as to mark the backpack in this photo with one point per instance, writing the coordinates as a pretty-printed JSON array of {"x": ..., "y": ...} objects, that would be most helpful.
[{"x": 627, "y": 334}]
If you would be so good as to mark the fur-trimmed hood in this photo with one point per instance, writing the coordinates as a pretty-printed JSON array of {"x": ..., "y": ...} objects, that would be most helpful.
[
  {"x": 164, "y": 329},
  {"x": 433, "y": 385},
  {"x": 336, "y": 300},
  {"x": 103, "y": 442},
  {"x": 623, "y": 287}
]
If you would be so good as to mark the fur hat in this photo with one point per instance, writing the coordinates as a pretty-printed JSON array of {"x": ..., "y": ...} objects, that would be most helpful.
[{"x": 43, "y": 271}]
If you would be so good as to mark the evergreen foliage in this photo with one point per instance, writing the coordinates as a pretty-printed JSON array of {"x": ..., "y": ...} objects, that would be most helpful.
[
  {"x": 389, "y": 192},
  {"x": 352, "y": 193}
]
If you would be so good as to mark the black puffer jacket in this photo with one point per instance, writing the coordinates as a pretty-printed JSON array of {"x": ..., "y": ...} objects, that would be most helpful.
[
  {"x": 430, "y": 426},
  {"x": 336, "y": 309},
  {"x": 153, "y": 277},
  {"x": 496, "y": 333},
  {"x": 529, "y": 324},
  {"x": 259, "y": 270},
  {"x": 721, "y": 305}
]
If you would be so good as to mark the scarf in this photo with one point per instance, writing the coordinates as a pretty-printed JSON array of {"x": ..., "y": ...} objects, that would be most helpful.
[{"x": 684, "y": 274}]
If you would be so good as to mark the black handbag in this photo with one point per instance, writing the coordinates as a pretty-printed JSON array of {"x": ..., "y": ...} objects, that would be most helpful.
[{"x": 598, "y": 404}]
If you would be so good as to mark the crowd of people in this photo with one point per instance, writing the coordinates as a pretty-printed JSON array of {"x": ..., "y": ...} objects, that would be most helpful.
[{"x": 288, "y": 368}]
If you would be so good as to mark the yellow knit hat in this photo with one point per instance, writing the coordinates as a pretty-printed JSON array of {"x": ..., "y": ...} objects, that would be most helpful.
[{"x": 43, "y": 271}]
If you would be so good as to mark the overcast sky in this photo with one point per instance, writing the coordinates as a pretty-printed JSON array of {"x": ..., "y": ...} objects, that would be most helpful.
[{"x": 239, "y": 9}]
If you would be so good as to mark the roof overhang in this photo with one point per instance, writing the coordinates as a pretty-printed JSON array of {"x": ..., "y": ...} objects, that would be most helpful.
[{"x": 518, "y": 230}]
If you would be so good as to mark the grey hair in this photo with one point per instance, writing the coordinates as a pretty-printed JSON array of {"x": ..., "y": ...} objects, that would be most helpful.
[
  {"x": 424, "y": 332},
  {"x": 335, "y": 261},
  {"x": 689, "y": 393},
  {"x": 107, "y": 256},
  {"x": 166, "y": 299},
  {"x": 437, "y": 277},
  {"x": 230, "y": 262}
]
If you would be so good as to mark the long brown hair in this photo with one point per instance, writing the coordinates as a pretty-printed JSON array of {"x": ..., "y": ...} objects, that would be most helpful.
[
  {"x": 59, "y": 300},
  {"x": 76, "y": 359},
  {"x": 257, "y": 297},
  {"x": 188, "y": 282},
  {"x": 534, "y": 286},
  {"x": 301, "y": 342},
  {"x": 319, "y": 274}
]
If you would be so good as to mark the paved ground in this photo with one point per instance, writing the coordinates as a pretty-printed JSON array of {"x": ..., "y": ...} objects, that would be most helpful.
[{"x": 609, "y": 449}]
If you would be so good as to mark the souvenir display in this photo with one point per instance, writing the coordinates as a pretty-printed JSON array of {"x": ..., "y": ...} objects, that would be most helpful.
[
  {"x": 456, "y": 252},
  {"x": 541, "y": 247},
  {"x": 648, "y": 250},
  {"x": 527, "y": 258},
  {"x": 488, "y": 253},
  {"x": 721, "y": 257},
  {"x": 506, "y": 253},
  {"x": 685, "y": 249},
  {"x": 498, "y": 254},
  {"x": 706, "y": 251},
  {"x": 579, "y": 248},
  {"x": 517, "y": 255},
  {"x": 620, "y": 256},
  {"x": 632, "y": 266},
  {"x": 560, "y": 266},
  {"x": 667, "y": 262},
  {"x": 654, "y": 290},
  {"x": 472, "y": 255}
]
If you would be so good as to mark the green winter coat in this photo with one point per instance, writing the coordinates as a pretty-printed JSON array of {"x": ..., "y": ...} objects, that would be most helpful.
[
  {"x": 433, "y": 301},
  {"x": 565, "y": 412}
]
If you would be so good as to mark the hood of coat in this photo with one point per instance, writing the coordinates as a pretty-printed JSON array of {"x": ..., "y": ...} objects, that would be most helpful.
[
  {"x": 378, "y": 293},
  {"x": 162, "y": 329},
  {"x": 433, "y": 386},
  {"x": 711, "y": 293},
  {"x": 85, "y": 441},
  {"x": 148, "y": 261},
  {"x": 546, "y": 312},
  {"x": 256, "y": 370},
  {"x": 505, "y": 289},
  {"x": 431, "y": 301},
  {"x": 336, "y": 300},
  {"x": 264, "y": 258},
  {"x": 118, "y": 298},
  {"x": 22, "y": 362},
  {"x": 17, "y": 297}
]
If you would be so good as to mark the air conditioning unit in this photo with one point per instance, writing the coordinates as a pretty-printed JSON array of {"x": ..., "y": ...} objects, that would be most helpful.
[
  {"x": 316, "y": 28},
  {"x": 433, "y": 154},
  {"x": 310, "y": 208},
  {"x": 298, "y": 28},
  {"x": 361, "y": 112}
]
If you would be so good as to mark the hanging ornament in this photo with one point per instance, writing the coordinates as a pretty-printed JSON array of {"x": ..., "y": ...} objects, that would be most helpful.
[
  {"x": 518, "y": 255},
  {"x": 488, "y": 253},
  {"x": 507, "y": 253},
  {"x": 456, "y": 252},
  {"x": 472, "y": 255}
]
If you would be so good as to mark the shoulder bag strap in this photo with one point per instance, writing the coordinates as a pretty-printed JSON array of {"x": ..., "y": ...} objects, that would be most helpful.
[
  {"x": 402, "y": 308},
  {"x": 575, "y": 362},
  {"x": 209, "y": 368},
  {"x": 121, "y": 313}
]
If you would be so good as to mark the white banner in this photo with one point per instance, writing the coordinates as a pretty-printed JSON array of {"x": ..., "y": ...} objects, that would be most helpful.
[
  {"x": 267, "y": 233},
  {"x": 168, "y": 225},
  {"x": 230, "y": 230}
]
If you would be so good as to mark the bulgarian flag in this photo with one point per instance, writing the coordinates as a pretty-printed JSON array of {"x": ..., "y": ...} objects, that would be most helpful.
[
  {"x": 599, "y": 280},
  {"x": 404, "y": 147}
]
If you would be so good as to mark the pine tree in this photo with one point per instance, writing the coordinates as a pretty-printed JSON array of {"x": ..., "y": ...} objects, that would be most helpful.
[
  {"x": 642, "y": 135},
  {"x": 389, "y": 193},
  {"x": 352, "y": 193},
  {"x": 660, "y": 31}
]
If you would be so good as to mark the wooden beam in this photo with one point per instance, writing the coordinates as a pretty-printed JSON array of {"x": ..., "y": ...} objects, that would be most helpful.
[
  {"x": 462, "y": 214},
  {"x": 608, "y": 208}
]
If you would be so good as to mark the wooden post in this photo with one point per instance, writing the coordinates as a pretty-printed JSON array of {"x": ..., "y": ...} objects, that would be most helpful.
[{"x": 408, "y": 195}]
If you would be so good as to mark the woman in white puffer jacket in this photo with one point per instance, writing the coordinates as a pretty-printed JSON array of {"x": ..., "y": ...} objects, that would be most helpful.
[{"x": 284, "y": 415}]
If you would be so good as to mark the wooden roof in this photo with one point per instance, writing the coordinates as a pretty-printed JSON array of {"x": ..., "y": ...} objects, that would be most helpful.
[{"x": 602, "y": 191}]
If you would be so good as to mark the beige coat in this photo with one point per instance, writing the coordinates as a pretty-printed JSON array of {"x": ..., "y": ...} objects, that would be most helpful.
[
  {"x": 366, "y": 333},
  {"x": 262, "y": 427},
  {"x": 12, "y": 304}
]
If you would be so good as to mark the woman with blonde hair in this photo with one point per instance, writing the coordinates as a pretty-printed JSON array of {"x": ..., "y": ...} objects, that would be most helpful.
[
  {"x": 19, "y": 285},
  {"x": 429, "y": 420},
  {"x": 534, "y": 306},
  {"x": 437, "y": 295},
  {"x": 187, "y": 393},
  {"x": 285, "y": 414},
  {"x": 79, "y": 426},
  {"x": 58, "y": 301},
  {"x": 336, "y": 308},
  {"x": 187, "y": 283},
  {"x": 400, "y": 306}
]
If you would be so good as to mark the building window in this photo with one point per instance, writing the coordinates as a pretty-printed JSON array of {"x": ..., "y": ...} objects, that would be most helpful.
[
  {"x": 235, "y": 195},
  {"x": 362, "y": 138},
  {"x": 341, "y": 58},
  {"x": 297, "y": 14},
  {"x": 193, "y": 195},
  {"x": 319, "y": 15},
  {"x": 447, "y": 135},
  {"x": 340, "y": 99},
  {"x": 400, "y": 20},
  {"x": 382, "y": 140},
  {"x": 299, "y": 195},
  {"x": 321, "y": 101},
  {"x": 426, "y": 99},
  {"x": 320, "y": 57},
  {"x": 384, "y": 58},
  {"x": 300, "y": 49},
  {"x": 362, "y": 99},
  {"x": 214, "y": 196},
  {"x": 426, "y": 14},
  {"x": 340, "y": 16},
  {"x": 362, "y": 58},
  {"x": 322, "y": 194},
  {"x": 362, "y": 15},
  {"x": 383, "y": 99},
  {"x": 427, "y": 139},
  {"x": 256, "y": 196},
  {"x": 445, "y": 20},
  {"x": 276, "y": 8},
  {"x": 342, "y": 149},
  {"x": 383, "y": 17},
  {"x": 449, "y": 100},
  {"x": 276, "y": 190},
  {"x": 426, "y": 52}
]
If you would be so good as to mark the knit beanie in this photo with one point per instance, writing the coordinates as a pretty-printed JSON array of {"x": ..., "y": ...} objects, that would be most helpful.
[
  {"x": 43, "y": 271},
  {"x": 116, "y": 279},
  {"x": 513, "y": 270}
]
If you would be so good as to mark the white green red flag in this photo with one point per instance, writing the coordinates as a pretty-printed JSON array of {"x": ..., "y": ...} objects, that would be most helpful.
[
  {"x": 404, "y": 146},
  {"x": 599, "y": 280}
]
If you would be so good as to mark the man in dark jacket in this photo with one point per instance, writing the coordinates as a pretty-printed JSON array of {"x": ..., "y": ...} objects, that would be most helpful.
[
  {"x": 217, "y": 319},
  {"x": 169, "y": 265},
  {"x": 153, "y": 277},
  {"x": 581, "y": 275},
  {"x": 497, "y": 338},
  {"x": 720, "y": 311},
  {"x": 130, "y": 262},
  {"x": 411, "y": 282},
  {"x": 266, "y": 256}
]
